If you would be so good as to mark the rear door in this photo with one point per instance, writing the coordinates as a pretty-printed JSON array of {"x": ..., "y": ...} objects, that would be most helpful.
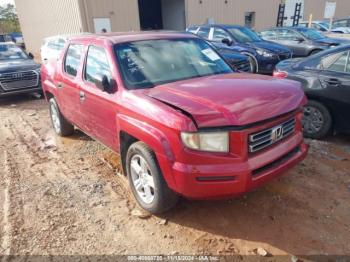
[
  {"x": 98, "y": 107},
  {"x": 335, "y": 78},
  {"x": 67, "y": 83}
]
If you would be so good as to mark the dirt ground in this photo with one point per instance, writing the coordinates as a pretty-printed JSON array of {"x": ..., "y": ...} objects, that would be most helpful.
[{"x": 63, "y": 197}]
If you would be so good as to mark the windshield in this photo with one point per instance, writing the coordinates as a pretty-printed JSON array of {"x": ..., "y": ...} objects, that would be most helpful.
[
  {"x": 312, "y": 34},
  {"x": 11, "y": 52},
  {"x": 244, "y": 35},
  {"x": 145, "y": 64}
]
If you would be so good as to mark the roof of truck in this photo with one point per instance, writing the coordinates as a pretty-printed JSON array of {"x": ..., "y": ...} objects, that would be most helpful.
[{"x": 120, "y": 37}]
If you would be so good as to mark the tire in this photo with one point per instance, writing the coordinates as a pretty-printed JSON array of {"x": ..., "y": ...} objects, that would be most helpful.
[
  {"x": 60, "y": 124},
  {"x": 160, "y": 198},
  {"x": 253, "y": 63},
  {"x": 317, "y": 120}
]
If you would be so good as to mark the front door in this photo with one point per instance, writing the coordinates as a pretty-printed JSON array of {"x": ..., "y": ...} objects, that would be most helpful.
[
  {"x": 294, "y": 41},
  {"x": 98, "y": 107}
]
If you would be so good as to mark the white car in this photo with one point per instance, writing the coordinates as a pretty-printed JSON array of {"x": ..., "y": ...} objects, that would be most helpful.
[
  {"x": 323, "y": 27},
  {"x": 52, "y": 47}
]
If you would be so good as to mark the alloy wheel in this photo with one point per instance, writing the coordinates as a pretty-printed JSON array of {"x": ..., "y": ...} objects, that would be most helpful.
[
  {"x": 142, "y": 179},
  {"x": 313, "y": 120},
  {"x": 55, "y": 118}
]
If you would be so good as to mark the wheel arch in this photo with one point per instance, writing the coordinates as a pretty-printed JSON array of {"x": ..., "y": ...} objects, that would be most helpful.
[{"x": 132, "y": 130}]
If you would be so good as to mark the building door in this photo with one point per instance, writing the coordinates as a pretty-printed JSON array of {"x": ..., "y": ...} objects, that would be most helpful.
[
  {"x": 150, "y": 12},
  {"x": 290, "y": 9},
  {"x": 102, "y": 25}
]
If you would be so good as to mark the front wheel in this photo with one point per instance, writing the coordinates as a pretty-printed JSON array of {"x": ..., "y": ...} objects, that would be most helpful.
[
  {"x": 60, "y": 124},
  {"x": 317, "y": 120},
  {"x": 146, "y": 180},
  {"x": 253, "y": 63}
]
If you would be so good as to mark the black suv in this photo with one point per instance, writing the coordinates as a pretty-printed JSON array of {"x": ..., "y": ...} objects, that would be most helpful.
[{"x": 18, "y": 71}]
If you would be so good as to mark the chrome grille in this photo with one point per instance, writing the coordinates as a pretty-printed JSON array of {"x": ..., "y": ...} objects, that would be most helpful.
[
  {"x": 268, "y": 137},
  {"x": 283, "y": 56},
  {"x": 19, "y": 80},
  {"x": 243, "y": 66}
]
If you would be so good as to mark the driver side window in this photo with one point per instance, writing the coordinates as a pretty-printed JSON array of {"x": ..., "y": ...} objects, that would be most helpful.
[
  {"x": 96, "y": 65},
  {"x": 220, "y": 34}
]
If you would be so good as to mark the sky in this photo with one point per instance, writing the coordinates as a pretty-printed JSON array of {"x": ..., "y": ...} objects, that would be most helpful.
[{"x": 5, "y": 2}]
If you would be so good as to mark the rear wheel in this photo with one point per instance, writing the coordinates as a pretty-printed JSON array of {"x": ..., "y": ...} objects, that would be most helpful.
[
  {"x": 60, "y": 124},
  {"x": 146, "y": 180},
  {"x": 317, "y": 121}
]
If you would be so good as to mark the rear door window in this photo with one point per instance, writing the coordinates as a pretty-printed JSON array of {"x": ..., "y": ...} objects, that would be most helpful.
[
  {"x": 97, "y": 65},
  {"x": 338, "y": 62},
  {"x": 72, "y": 60},
  {"x": 204, "y": 32},
  {"x": 269, "y": 35}
]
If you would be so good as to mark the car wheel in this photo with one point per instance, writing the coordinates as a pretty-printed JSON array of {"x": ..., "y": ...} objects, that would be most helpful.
[
  {"x": 317, "y": 120},
  {"x": 60, "y": 124},
  {"x": 146, "y": 180},
  {"x": 253, "y": 63}
]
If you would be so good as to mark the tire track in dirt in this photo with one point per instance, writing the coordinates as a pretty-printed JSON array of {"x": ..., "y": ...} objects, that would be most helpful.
[{"x": 13, "y": 217}]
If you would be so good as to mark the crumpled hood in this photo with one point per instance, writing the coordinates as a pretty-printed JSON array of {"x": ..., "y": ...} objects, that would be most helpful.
[
  {"x": 8, "y": 66},
  {"x": 231, "y": 99}
]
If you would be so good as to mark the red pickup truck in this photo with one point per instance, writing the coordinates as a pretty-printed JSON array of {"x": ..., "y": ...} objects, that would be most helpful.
[{"x": 183, "y": 122}]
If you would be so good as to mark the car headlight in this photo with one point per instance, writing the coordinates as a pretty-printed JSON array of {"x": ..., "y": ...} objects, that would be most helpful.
[
  {"x": 264, "y": 53},
  {"x": 207, "y": 141}
]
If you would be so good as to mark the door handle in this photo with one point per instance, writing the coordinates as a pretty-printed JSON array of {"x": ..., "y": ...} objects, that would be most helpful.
[
  {"x": 332, "y": 82},
  {"x": 82, "y": 96}
]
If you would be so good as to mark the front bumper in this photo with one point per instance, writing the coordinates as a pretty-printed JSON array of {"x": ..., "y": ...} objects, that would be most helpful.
[
  {"x": 210, "y": 176},
  {"x": 20, "y": 91},
  {"x": 267, "y": 65},
  {"x": 198, "y": 181}
]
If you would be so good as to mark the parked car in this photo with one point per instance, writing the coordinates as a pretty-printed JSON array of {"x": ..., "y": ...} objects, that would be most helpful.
[
  {"x": 52, "y": 47},
  {"x": 18, "y": 72},
  {"x": 182, "y": 120},
  {"x": 237, "y": 61},
  {"x": 325, "y": 78},
  {"x": 302, "y": 41},
  {"x": 323, "y": 26},
  {"x": 233, "y": 38},
  {"x": 343, "y": 22},
  {"x": 15, "y": 38}
]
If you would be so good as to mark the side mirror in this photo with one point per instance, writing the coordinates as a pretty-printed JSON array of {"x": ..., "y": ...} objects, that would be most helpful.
[
  {"x": 300, "y": 39},
  {"x": 31, "y": 56},
  {"x": 107, "y": 85},
  {"x": 227, "y": 41}
]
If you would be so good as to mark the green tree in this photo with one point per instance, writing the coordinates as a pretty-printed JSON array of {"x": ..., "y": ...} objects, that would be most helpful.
[{"x": 8, "y": 19}]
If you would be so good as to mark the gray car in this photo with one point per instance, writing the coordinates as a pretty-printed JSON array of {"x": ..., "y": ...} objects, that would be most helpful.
[{"x": 302, "y": 41}]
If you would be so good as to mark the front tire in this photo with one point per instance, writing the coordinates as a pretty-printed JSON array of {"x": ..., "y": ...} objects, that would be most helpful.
[
  {"x": 317, "y": 120},
  {"x": 60, "y": 124},
  {"x": 146, "y": 180}
]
